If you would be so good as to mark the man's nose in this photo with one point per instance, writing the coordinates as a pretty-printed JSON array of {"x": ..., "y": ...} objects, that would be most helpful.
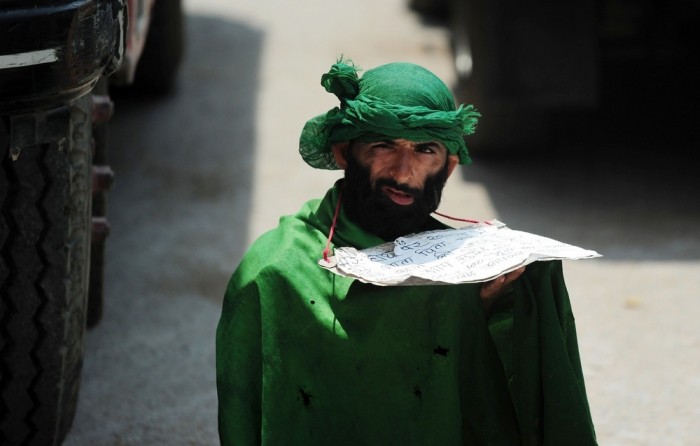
[{"x": 402, "y": 166}]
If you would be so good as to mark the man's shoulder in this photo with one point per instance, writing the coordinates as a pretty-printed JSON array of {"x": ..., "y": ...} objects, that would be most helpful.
[{"x": 292, "y": 243}]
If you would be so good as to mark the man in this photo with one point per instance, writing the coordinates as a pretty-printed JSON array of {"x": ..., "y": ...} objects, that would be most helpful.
[{"x": 307, "y": 357}]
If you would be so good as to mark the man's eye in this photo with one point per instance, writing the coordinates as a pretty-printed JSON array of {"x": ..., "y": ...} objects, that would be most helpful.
[{"x": 427, "y": 148}]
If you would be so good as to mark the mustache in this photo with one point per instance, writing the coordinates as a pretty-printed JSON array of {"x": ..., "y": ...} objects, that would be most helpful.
[{"x": 390, "y": 182}]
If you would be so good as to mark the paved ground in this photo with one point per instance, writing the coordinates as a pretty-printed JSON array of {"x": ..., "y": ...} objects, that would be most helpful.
[{"x": 201, "y": 174}]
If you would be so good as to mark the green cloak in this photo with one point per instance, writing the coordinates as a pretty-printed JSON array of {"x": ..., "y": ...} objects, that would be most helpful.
[{"x": 307, "y": 357}]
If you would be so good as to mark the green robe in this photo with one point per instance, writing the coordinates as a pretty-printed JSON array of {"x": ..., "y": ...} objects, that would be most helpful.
[{"x": 307, "y": 357}]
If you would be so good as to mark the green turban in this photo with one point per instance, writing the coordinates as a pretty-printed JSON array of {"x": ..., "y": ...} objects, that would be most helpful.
[{"x": 396, "y": 100}]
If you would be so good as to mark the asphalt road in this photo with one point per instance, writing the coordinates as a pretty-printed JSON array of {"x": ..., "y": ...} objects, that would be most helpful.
[{"x": 202, "y": 173}]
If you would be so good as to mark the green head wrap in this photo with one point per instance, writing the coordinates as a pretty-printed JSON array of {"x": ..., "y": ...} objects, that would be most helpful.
[{"x": 396, "y": 100}]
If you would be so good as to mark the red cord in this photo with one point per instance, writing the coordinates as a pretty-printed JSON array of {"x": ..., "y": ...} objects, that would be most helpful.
[
  {"x": 332, "y": 230},
  {"x": 335, "y": 219},
  {"x": 460, "y": 219}
]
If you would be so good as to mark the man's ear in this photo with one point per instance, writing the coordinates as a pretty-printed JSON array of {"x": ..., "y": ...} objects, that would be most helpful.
[
  {"x": 452, "y": 161},
  {"x": 340, "y": 153}
]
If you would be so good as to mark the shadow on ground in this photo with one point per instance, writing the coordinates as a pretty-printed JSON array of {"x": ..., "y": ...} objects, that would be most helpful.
[
  {"x": 183, "y": 165},
  {"x": 178, "y": 213}
]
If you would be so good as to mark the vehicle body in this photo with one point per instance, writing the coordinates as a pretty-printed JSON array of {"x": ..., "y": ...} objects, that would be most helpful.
[
  {"x": 528, "y": 66},
  {"x": 57, "y": 59}
]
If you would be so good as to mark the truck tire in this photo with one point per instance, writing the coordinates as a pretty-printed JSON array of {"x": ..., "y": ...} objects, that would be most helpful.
[
  {"x": 508, "y": 127},
  {"x": 523, "y": 66},
  {"x": 157, "y": 68},
  {"x": 45, "y": 197}
]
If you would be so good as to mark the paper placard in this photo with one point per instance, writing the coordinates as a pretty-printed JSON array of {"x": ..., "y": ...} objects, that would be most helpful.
[{"x": 475, "y": 253}]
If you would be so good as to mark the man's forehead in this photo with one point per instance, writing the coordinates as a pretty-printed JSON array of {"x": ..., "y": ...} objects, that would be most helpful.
[{"x": 400, "y": 141}]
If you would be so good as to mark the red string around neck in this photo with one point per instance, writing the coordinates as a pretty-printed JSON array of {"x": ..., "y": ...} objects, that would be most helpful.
[
  {"x": 460, "y": 219},
  {"x": 327, "y": 250},
  {"x": 332, "y": 230}
]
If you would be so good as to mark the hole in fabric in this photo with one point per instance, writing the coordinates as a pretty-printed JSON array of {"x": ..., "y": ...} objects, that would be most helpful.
[
  {"x": 417, "y": 392},
  {"x": 305, "y": 397},
  {"x": 440, "y": 350}
]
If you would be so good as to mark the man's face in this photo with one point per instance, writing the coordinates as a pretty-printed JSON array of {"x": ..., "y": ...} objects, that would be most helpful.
[{"x": 392, "y": 187}]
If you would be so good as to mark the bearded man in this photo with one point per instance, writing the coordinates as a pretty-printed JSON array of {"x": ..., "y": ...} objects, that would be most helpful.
[{"x": 308, "y": 357}]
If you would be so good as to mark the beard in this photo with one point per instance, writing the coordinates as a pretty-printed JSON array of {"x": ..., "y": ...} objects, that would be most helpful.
[{"x": 370, "y": 208}]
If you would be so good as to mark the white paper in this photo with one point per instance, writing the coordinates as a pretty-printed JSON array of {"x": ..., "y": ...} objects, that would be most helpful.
[{"x": 475, "y": 253}]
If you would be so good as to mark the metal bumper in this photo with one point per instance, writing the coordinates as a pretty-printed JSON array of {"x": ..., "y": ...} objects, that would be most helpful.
[{"x": 56, "y": 51}]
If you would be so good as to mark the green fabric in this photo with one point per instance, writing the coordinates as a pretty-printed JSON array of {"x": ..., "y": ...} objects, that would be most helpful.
[
  {"x": 396, "y": 100},
  {"x": 306, "y": 357}
]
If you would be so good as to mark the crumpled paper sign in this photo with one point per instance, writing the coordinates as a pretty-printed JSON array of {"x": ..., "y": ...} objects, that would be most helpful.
[{"x": 476, "y": 253}]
